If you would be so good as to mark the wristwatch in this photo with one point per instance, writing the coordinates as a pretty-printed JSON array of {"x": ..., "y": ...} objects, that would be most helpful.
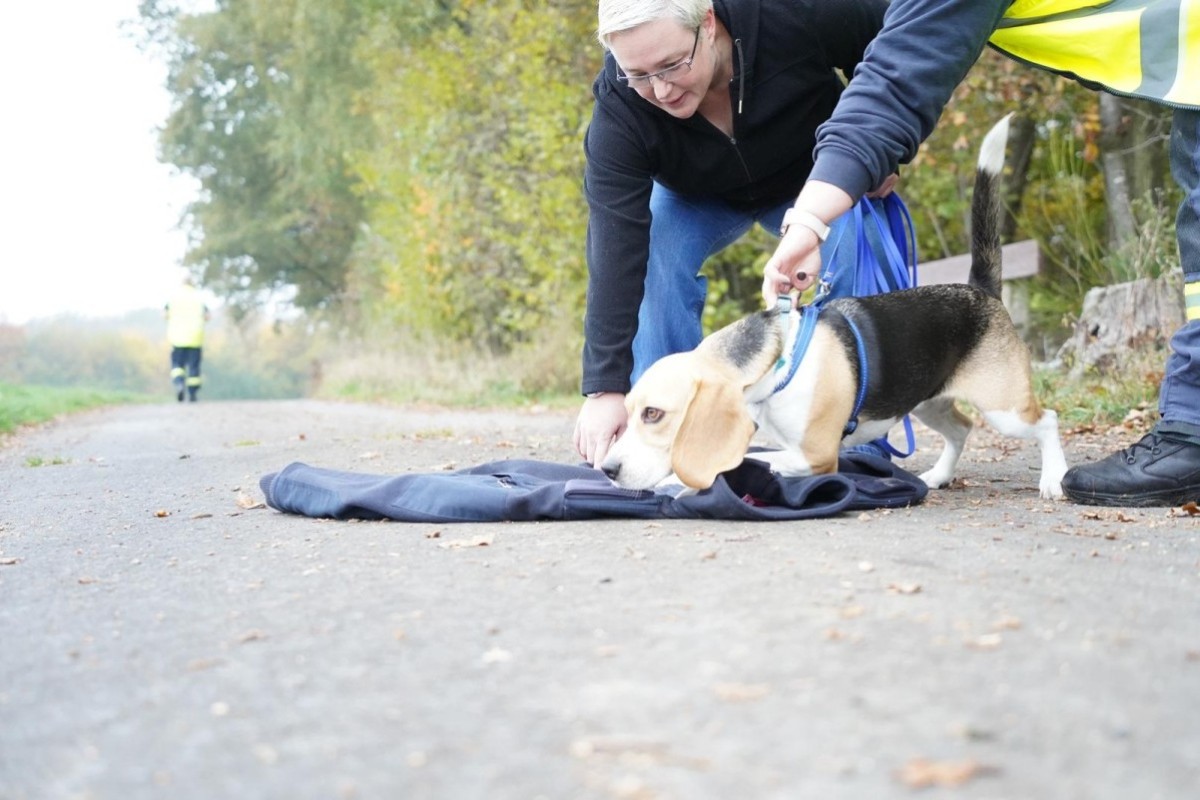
[{"x": 798, "y": 216}]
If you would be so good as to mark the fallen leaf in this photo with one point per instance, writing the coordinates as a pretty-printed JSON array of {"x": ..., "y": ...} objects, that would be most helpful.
[
  {"x": 246, "y": 502},
  {"x": 1007, "y": 623},
  {"x": 741, "y": 692},
  {"x": 904, "y": 588},
  {"x": 462, "y": 544},
  {"x": 987, "y": 641},
  {"x": 497, "y": 656},
  {"x": 921, "y": 773},
  {"x": 8, "y": 562},
  {"x": 162, "y": 512}
]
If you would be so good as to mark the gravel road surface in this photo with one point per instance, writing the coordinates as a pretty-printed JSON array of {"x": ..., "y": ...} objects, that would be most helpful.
[{"x": 163, "y": 635}]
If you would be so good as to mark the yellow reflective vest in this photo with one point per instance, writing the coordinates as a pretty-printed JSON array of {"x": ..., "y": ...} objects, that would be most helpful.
[
  {"x": 1138, "y": 48},
  {"x": 185, "y": 318}
]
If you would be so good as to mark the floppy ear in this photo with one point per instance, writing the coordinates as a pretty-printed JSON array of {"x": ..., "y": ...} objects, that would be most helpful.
[{"x": 714, "y": 435}]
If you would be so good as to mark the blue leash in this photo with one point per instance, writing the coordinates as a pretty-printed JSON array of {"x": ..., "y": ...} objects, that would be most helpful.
[{"x": 874, "y": 279}]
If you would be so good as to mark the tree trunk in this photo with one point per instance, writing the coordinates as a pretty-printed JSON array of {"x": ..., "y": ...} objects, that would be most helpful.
[
  {"x": 1114, "y": 124},
  {"x": 1118, "y": 322}
]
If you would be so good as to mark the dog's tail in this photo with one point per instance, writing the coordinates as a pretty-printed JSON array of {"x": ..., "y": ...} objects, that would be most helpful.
[{"x": 987, "y": 211}]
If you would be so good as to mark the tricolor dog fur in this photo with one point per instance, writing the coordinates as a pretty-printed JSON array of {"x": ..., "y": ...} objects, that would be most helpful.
[{"x": 694, "y": 413}]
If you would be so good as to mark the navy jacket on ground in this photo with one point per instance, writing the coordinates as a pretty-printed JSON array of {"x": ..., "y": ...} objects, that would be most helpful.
[{"x": 527, "y": 490}]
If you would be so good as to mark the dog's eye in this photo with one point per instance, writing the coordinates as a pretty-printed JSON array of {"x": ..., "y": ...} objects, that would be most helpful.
[{"x": 652, "y": 415}]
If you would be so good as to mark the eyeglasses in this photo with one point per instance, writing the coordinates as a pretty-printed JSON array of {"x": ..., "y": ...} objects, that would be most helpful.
[{"x": 668, "y": 75}]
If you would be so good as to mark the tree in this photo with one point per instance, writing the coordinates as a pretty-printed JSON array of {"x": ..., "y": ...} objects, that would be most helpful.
[
  {"x": 476, "y": 216},
  {"x": 263, "y": 116}
]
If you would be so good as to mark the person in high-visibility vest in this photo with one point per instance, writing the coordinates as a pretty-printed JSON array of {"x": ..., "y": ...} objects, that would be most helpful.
[
  {"x": 186, "y": 314},
  {"x": 1135, "y": 48}
]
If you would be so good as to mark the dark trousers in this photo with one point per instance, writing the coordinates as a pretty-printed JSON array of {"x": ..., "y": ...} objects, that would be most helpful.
[{"x": 185, "y": 370}]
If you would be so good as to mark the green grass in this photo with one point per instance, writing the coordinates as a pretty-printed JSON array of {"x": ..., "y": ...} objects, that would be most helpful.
[
  {"x": 1098, "y": 400},
  {"x": 29, "y": 405}
]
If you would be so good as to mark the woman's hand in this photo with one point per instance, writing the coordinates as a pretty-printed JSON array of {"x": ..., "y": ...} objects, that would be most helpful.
[
  {"x": 796, "y": 263},
  {"x": 601, "y": 422}
]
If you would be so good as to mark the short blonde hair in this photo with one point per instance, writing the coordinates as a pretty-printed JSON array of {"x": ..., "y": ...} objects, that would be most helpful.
[{"x": 615, "y": 16}]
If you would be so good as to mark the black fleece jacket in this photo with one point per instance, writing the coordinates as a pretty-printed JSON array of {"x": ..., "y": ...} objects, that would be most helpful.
[{"x": 786, "y": 57}]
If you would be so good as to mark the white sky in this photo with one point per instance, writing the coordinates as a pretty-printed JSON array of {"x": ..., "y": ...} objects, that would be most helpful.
[{"x": 88, "y": 216}]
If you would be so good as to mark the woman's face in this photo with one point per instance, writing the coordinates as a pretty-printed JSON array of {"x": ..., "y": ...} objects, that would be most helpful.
[{"x": 665, "y": 46}]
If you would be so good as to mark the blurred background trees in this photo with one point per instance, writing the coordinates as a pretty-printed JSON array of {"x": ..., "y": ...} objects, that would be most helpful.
[{"x": 389, "y": 187}]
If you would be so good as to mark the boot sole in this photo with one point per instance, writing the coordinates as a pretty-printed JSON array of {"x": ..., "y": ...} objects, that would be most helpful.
[{"x": 1161, "y": 499}]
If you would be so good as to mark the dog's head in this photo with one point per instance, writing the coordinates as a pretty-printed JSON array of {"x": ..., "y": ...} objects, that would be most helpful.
[{"x": 686, "y": 415}]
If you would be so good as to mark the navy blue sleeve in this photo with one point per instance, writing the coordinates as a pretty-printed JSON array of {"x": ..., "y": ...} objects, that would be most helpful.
[
  {"x": 899, "y": 90},
  {"x": 617, "y": 183}
]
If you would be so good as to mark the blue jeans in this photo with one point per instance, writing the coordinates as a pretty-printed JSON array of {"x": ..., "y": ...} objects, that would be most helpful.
[
  {"x": 1179, "y": 395},
  {"x": 685, "y": 231}
]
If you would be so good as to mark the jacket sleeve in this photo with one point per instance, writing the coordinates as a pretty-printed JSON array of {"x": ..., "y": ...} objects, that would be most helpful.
[
  {"x": 617, "y": 184},
  {"x": 899, "y": 90}
]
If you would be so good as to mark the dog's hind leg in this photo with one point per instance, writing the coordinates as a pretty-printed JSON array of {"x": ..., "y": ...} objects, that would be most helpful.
[
  {"x": 1044, "y": 428},
  {"x": 941, "y": 415}
]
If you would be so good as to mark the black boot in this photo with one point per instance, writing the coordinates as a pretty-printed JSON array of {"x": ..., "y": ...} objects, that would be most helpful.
[{"x": 1159, "y": 470}]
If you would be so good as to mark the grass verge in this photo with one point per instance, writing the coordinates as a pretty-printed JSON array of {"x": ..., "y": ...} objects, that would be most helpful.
[
  {"x": 1103, "y": 399},
  {"x": 29, "y": 405}
]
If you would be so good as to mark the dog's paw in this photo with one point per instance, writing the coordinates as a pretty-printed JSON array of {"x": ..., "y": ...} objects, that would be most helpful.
[
  {"x": 1051, "y": 490},
  {"x": 935, "y": 479}
]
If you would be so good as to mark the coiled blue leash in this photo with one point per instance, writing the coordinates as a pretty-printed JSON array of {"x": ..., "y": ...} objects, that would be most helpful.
[{"x": 896, "y": 271}]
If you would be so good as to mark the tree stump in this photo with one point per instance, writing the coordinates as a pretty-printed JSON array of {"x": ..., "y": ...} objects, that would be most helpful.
[{"x": 1121, "y": 321}]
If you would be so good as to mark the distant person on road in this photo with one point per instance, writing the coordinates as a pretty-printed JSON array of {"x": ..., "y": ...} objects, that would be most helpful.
[{"x": 186, "y": 314}]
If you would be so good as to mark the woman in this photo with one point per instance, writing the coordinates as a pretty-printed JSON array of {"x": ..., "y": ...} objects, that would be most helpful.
[{"x": 704, "y": 123}]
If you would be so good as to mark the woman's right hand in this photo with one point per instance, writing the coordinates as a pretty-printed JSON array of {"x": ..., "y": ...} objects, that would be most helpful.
[{"x": 601, "y": 422}]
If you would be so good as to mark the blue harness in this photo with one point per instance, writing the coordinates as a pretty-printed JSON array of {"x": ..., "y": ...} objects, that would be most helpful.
[{"x": 871, "y": 277}]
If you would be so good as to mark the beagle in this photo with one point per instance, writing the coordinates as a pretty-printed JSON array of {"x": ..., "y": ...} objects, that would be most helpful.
[{"x": 694, "y": 413}]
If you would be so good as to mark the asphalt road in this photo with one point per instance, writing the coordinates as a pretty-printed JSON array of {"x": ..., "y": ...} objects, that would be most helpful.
[{"x": 162, "y": 637}]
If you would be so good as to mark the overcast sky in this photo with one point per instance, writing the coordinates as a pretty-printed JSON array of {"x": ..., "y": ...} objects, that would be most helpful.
[{"x": 88, "y": 216}]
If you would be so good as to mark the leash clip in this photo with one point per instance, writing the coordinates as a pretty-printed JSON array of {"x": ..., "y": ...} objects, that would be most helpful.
[{"x": 824, "y": 287}]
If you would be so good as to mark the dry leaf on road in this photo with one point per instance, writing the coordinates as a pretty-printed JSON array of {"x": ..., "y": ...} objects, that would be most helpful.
[
  {"x": 921, "y": 773},
  {"x": 245, "y": 501}
]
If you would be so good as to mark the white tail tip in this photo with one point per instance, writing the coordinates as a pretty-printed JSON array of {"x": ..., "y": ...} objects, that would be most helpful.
[{"x": 991, "y": 152}]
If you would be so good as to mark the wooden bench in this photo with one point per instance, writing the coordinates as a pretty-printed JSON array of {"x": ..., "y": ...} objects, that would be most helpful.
[{"x": 1021, "y": 260}]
